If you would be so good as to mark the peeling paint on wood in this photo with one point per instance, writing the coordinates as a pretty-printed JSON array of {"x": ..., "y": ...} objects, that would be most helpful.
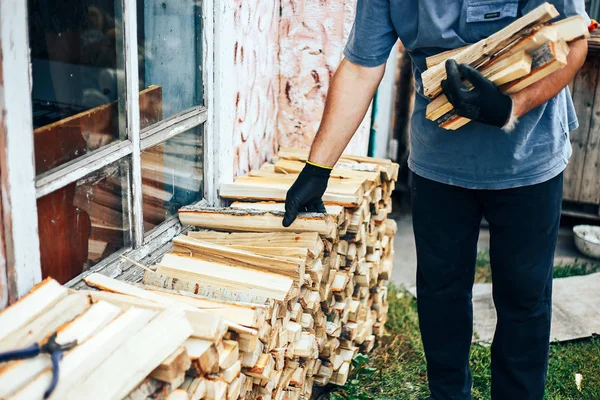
[{"x": 312, "y": 38}]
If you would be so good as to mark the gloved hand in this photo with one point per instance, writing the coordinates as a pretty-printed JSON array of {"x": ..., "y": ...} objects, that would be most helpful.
[
  {"x": 485, "y": 103},
  {"x": 306, "y": 192}
]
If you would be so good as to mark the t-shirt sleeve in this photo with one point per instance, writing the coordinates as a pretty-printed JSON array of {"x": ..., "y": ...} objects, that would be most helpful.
[{"x": 373, "y": 35}]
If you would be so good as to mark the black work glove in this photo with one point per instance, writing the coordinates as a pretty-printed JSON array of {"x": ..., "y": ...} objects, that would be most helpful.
[
  {"x": 306, "y": 193},
  {"x": 485, "y": 103}
]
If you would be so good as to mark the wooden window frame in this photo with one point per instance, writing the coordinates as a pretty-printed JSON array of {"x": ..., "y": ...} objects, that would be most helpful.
[{"x": 21, "y": 187}]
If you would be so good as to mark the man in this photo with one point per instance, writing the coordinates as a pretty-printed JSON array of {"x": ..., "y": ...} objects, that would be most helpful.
[{"x": 513, "y": 179}]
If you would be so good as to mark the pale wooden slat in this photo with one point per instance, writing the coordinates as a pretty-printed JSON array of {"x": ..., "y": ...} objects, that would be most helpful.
[
  {"x": 135, "y": 359},
  {"x": 40, "y": 299},
  {"x": 47, "y": 323},
  {"x": 83, "y": 359},
  {"x": 15, "y": 375}
]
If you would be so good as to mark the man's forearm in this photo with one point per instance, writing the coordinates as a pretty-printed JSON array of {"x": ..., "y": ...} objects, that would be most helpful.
[
  {"x": 545, "y": 89},
  {"x": 350, "y": 92}
]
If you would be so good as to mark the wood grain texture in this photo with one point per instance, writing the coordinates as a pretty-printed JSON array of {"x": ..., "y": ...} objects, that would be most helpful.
[
  {"x": 590, "y": 181},
  {"x": 583, "y": 99}
]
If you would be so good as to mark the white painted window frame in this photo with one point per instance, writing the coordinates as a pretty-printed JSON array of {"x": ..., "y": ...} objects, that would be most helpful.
[{"x": 21, "y": 187}]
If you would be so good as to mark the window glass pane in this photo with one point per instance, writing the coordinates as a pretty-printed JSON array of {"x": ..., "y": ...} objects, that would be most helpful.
[
  {"x": 172, "y": 176},
  {"x": 78, "y": 80},
  {"x": 84, "y": 222},
  {"x": 169, "y": 41}
]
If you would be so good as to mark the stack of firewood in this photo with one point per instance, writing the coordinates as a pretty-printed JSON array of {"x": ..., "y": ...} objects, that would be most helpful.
[
  {"x": 524, "y": 52},
  {"x": 332, "y": 303},
  {"x": 240, "y": 308}
]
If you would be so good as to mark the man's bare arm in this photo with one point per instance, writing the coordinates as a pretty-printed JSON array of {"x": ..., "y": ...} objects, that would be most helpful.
[
  {"x": 545, "y": 89},
  {"x": 350, "y": 92}
]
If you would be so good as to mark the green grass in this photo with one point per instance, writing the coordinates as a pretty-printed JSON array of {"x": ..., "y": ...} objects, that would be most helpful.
[
  {"x": 483, "y": 272},
  {"x": 396, "y": 369}
]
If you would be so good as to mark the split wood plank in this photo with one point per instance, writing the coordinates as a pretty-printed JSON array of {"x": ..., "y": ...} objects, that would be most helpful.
[
  {"x": 41, "y": 298},
  {"x": 203, "y": 289},
  {"x": 349, "y": 186},
  {"x": 336, "y": 211},
  {"x": 284, "y": 166},
  {"x": 501, "y": 72},
  {"x": 277, "y": 192},
  {"x": 195, "y": 387},
  {"x": 206, "y": 251},
  {"x": 205, "y": 324},
  {"x": 546, "y": 60},
  {"x": 387, "y": 169},
  {"x": 228, "y": 219},
  {"x": 84, "y": 358},
  {"x": 308, "y": 240},
  {"x": 173, "y": 366},
  {"x": 245, "y": 314},
  {"x": 204, "y": 356},
  {"x": 131, "y": 362},
  {"x": 47, "y": 323},
  {"x": 482, "y": 51},
  {"x": 255, "y": 282},
  {"x": 17, "y": 374}
]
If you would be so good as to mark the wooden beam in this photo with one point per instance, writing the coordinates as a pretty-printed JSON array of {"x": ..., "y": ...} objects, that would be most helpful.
[
  {"x": 227, "y": 219},
  {"x": 255, "y": 282},
  {"x": 84, "y": 358},
  {"x": 245, "y": 314},
  {"x": 277, "y": 192},
  {"x": 173, "y": 366},
  {"x": 307, "y": 240},
  {"x": 47, "y": 323},
  {"x": 204, "y": 356},
  {"x": 205, "y": 325},
  {"x": 335, "y": 211},
  {"x": 484, "y": 50},
  {"x": 131, "y": 362},
  {"x": 546, "y": 60},
  {"x": 284, "y": 166},
  {"x": 41, "y": 298},
  {"x": 17, "y": 374},
  {"x": 286, "y": 266},
  {"x": 203, "y": 289}
]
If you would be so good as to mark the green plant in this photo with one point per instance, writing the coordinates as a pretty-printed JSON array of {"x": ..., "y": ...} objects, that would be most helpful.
[{"x": 396, "y": 370}]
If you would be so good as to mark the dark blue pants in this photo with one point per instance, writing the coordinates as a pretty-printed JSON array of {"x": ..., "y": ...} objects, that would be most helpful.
[{"x": 523, "y": 225}]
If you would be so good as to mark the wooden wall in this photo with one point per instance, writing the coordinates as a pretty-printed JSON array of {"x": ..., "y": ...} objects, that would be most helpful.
[
  {"x": 312, "y": 38},
  {"x": 256, "y": 79},
  {"x": 3, "y": 270},
  {"x": 275, "y": 65},
  {"x": 582, "y": 176}
]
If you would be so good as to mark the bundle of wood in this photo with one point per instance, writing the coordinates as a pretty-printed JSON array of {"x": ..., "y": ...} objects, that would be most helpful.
[
  {"x": 333, "y": 304},
  {"x": 241, "y": 309},
  {"x": 120, "y": 346},
  {"x": 524, "y": 52}
]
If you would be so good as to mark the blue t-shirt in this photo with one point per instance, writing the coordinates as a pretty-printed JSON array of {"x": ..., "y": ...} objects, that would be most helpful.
[{"x": 476, "y": 156}]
